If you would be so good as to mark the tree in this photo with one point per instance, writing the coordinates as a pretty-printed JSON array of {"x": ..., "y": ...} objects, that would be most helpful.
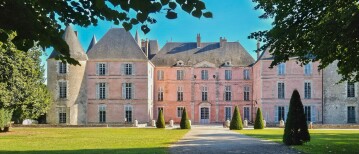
[
  {"x": 5, "y": 118},
  {"x": 160, "y": 123},
  {"x": 236, "y": 123},
  {"x": 296, "y": 128},
  {"x": 323, "y": 31},
  {"x": 43, "y": 18},
  {"x": 22, "y": 88},
  {"x": 258, "y": 124},
  {"x": 185, "y": 121}
]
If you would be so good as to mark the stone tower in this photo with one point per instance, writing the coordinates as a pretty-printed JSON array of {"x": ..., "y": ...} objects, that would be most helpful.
[{"x": 67, "y": 84}]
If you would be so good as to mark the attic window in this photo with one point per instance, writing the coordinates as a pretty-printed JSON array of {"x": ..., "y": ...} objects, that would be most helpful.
[
  {"x": 228, "y": 63},
  {"x": 180, "y": 63}
]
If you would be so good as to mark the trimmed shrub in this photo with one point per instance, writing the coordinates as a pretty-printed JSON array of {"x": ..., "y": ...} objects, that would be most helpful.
[
  {"x": 258, "y": 124},
  {"x": 5, "y": 118},
  {"x": 160, "y": 123},
  {"x": 184, "y": 120},
  {"x": 236, "y": 123},
  {"x": 296, "y": 128}
]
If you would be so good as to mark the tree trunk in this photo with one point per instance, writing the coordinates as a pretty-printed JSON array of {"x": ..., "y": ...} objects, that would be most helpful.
[{"x": 6, "y": 129}]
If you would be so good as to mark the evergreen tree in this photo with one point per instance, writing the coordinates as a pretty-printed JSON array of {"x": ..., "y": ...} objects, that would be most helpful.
[
  {"x": 258, "y": 124},
  {"x": 236, "y": 123},
  {"x": 296, "y": 128},
  {"x": 160, "y": 123},
  {"x": 185, "y": 121}
]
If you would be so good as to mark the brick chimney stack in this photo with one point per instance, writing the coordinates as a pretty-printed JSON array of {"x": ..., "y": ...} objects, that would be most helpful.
[
  {"x": 198, "y": 40},
  {"x": 258, "y": 48},
  {"x": 222, "y": 42},
  {"x": 144, "y": 46}
]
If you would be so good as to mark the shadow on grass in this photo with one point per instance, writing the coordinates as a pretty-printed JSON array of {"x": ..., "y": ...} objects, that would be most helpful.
[{"x": 93, "y": 151}]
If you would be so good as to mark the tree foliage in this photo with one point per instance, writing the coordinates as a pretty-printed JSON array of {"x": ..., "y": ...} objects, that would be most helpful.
[
  {"x": 184, "y": 120},
  {"x": 21, "y": 80},
  {"x": 5, "y": 118},
  {"x": 236, "y": 122},
  {"x": 296, "y": 128},
  {"x": 160, "y": 123},
  {"x": 323, "y": 31},
  {"x": 40, "y": 20},
  {"x": 258, "y": 124}
]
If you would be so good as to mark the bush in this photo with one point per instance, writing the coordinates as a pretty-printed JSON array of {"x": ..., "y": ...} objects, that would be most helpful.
[
  {"x": 258, "y": 124},
  {"x": 185, "y": 121},
  {"x": 160, "y": 123},
  {"x": 296, "y": 128},
  {"x": 236, "y": 123},
  {"x": 5, "y": 118}
]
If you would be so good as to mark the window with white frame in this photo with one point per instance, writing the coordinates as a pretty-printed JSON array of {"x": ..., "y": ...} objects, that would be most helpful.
[
  {"x": 180, "y": 94},
  {"x": 128, "y": 113},
  {"x": 62, "y": 115},
  {"x": 204, "y": 93},
  {"x": 281, "y": 89},
  {"x": 179, "y": 111},
  {"x": 246, "y": 113},
  {"x": 308, "y": 69},
  {"x": 101, "y": 68},
  {"x": 228, "y": 93},
  {"x": 281, "y": 113},
  {"x": 228, "y": 74},
  {"x": 307, "y": 90},
  {"x": 128, "y": 69},
  {"x": 102, "y": 113},
  {"x": 228, "y": 113},
  {"x": 246, "y": 74},
  {"x": 160, "y": 75},
  {"x": 160, "y": 94},
  {"x": 62, "y": 67},
  {"x": 246, "y": 93},
  {"x": 180, "y": 74},
  {"x": 62, "y": 89},
  {"x": 308, "y": 113},
  {"x": 128, "y": 89},
  {"x": 204, "y": 74},
  {"x": 281, "y": 69},
  {"x": 101, "y": 90},
  {"x": 350, "y": 89}
]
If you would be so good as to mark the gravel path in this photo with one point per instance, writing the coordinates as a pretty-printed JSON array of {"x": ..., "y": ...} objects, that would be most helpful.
[{"x": 217, "y": 140}]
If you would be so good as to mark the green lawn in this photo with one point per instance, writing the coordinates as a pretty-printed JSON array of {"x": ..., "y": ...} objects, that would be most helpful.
[
  {"x": 322, "y": 141},
  {"x": 88, "y": 140}
]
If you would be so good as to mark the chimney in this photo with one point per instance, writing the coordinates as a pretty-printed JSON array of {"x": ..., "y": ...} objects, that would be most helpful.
[
  {"x": 258, "y": 48},
  {"x": 144, "y": 46},
  {"x": 222, "y": 42},
  {"x": 75, "y": 33},
  {"x": 198, "y": 40}
]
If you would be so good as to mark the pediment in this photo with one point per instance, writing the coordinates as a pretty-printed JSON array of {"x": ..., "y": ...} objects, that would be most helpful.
[{"x": 205, "y": 64}]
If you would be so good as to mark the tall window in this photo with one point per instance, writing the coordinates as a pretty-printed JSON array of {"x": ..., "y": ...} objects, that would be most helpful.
[
  {"x": 101, "y": 68},
  {"x": 281, "y": 90},
  {"x": 228, "y": 74},
  {"x": 102, "y": 113},
  {"x": 160, "y": 94},
  {"x": 204, "y": 74},
  {"x": 308, "y": 69},
  {"x": 62, "y": 115},
  {"x": 308, "y": 113},
  {"x": 179, "y": 111},
  {"x": 350, "y": 89},
  {"x": 281, "y": 113},
  {"x": 160, "y": 75},
  {"x": 180, "y": 74},
  {"x": 204, "y": 93},
  {"x": 101, "y": 90},
  {"x": 62, "y": 89},
  {"x": 351, "y": 114},
  {"x": 307, "y": 90},
  {"x": 128, "y": 112},
  {"x": 246, "y": 74},
  {"x": 62, "y": 68},
  {"x": 228, "y": 113},
  {"x": 246, "y": 93},
  {"x": 246, "y": 113},
  {"x": 180, "y": 94},
  {"x": 228, "y": 93},
  {"x": 281, "y": 69},
  {"x": 128, "y": 69},
  {"x": 128, "y": 90}
]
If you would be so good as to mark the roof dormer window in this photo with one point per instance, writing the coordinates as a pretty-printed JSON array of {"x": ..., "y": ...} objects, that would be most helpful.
[
  {"x": 180, "y": 63},
  {"x": 228, "y": 63}
]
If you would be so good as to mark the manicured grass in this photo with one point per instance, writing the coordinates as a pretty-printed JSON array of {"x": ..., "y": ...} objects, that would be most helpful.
[
  {"x": 322, "y": 141},
  {"x": 88, "y": 140}
]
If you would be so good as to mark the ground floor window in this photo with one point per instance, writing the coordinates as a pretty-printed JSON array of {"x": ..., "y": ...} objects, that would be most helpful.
[
  {"x": 308, "y": 113},
  {"x": 102, "y": 113},
  {"x": 281, "y": 113},
  {"x": 351, "y": 114},
  {"x": 228, "y": 113},
  {"x": 204, "y": 113},
  {"x": 128, "y": 113},
  {"x": 179, "y": 111},
  {"x": 62, "y": 115},
  {"x": 246, "y": 113}
]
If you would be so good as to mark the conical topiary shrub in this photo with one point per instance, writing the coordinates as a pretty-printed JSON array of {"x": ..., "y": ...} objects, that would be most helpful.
[
  {"x": 160, "y": 120},
  {"x": 184, "y": 120},
  {"x": 236, "y": 123},
  {"x": 296, "y": 128},
  {"x": 258, "y": 124}
]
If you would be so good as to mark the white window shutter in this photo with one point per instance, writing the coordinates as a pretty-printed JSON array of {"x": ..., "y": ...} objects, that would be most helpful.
[
  {"x": 133, "y": 91},
  {"x": 285, "y": 113},
  {"x": 97, "y": 69},
  {"x": 97, "y": 91},
  {"x": 122, "y": 69},
  {"x": 107, "y": 67},
  {"x": 107, "y": 91},
  {"x": 123, "y": 91},
  {"x": 275, "y": 114},
  {"x": 314, "y": 115},
  {"x": 133, "y": 69}
]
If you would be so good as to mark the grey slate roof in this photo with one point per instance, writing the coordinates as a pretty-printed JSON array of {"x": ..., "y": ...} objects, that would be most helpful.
[
  {"x": 76, "y": 50},
  {"x": 92, "y": 43},
  {"x": 117, "y": 44},
  {"x": 210, "y": 52}
]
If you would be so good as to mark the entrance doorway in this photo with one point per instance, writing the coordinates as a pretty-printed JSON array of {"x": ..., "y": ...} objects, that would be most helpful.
[{"x": 204, "y": 115}]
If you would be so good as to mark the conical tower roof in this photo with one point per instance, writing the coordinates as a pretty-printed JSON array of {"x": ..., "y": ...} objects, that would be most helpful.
[
  {"x": 92, "y": 43},
  {"x": 76, "y": 50}
]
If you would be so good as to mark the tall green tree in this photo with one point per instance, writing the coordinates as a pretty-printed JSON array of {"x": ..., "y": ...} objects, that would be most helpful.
[
  {"x": 41, "y": 20},
  {"x": 259, "y": 123},
  {"x": 324, "y": 31},
  {"x": 296, "y": 128},
  {"x": 22, "y": 88},
  {"x": 184, "y": 120},
  {"x": 236, "y": 122},
  {"x": 160, "y": 123}
]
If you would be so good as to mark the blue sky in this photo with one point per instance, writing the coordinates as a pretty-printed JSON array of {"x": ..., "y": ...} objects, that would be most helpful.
[{"x": 232, "y": 19}]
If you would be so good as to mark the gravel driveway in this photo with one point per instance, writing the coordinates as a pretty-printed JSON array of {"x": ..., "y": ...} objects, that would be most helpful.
[{"x": 219, "y": 140}]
